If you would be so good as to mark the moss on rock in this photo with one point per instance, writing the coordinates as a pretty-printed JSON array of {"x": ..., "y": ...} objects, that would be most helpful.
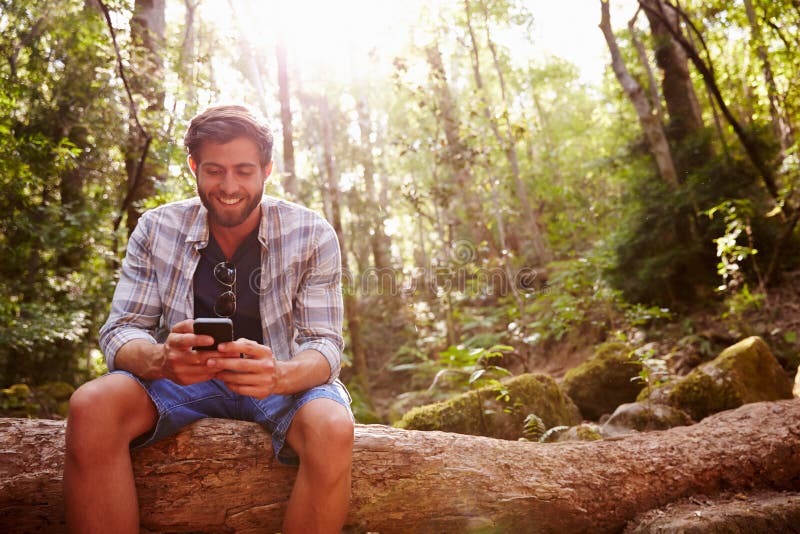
[
  {"x": 582, "y": 432},
  {"x": 479, "y": 413},
  {"x": 604, "y": 381},
  {"x": 743, "y": 373}
]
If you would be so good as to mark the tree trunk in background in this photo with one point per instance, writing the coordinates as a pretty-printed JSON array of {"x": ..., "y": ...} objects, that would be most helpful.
[
  {"x": 750, "y": 146},
  {"x": 248, "y": 64},
  {"x": 506, "y": 140},
  {"x": 350, "y": 298},
  {"x": 780, "y": 125},
  {"x": 676, "y": 83},
  {"x": 653, "y": 129},
  {"x": 457, "y": 155},
  {"x": 377, "y": 206},
  {"x": 188, "y": 52},
  {"x": 148, "y": 25},
  {"x": 655, "y": 97},
  {"x": 220, "y": 476},
  {"x": 289, "y": 173}
]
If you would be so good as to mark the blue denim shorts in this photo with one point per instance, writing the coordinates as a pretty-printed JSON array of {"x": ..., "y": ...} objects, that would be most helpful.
[{"x": 179, "y": 406}]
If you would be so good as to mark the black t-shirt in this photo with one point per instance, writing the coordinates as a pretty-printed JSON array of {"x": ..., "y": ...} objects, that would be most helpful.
[{"x": 247, "y": 259}]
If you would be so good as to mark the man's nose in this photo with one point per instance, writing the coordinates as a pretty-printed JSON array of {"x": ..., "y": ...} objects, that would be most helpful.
[{"x": 228, "y": 184}]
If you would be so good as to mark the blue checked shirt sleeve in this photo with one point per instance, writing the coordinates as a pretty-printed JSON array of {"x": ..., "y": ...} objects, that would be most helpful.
[
  {"x": 136, "y": 306},
  {"x": 318, "y": 309}
]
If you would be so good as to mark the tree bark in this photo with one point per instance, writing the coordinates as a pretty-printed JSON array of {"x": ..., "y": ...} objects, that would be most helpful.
[
  {"x": 289, "y": 173},
  {"x": 676, "y": 83},
  {"x": 655, "y": 97},
  {"x": 653, "y": 129},
  {"x": 220, "y": 476}
]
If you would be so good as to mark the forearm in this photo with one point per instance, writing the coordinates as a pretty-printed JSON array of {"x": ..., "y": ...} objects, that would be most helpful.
[
  {"x": 306, "y": 370},
  {"x": 142, "y": 358}
]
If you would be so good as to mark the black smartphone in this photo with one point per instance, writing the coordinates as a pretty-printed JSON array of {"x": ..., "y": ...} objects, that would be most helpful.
[{"x": 221, "y": 329}]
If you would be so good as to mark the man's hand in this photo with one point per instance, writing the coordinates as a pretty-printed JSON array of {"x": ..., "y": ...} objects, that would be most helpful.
[
  {"x": 255, "y": 375},
  {"x": 179, "y": 362}
]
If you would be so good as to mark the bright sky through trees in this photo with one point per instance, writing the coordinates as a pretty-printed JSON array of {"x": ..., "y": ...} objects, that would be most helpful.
[{"x": 349, "y": 38}]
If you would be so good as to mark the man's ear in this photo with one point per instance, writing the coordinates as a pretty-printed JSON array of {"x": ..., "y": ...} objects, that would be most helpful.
[
  {"x": 192, "y": 165},
  {"x": 268, "y": 169}
]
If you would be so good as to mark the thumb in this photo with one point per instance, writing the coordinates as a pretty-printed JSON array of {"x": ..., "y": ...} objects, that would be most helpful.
[{"x": 183, "y": 327}]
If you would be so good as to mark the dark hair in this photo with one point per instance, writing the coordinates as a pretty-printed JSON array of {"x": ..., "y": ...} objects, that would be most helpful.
[{"x": 223, "y": 124}]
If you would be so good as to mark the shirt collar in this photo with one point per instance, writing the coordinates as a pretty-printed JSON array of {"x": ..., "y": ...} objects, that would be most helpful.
[
  {"x": 199, "y": 233},
  {"x": 198, "y": 228}
]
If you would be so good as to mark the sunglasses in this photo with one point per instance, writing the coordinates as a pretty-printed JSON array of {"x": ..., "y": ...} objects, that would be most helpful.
[{"x": 225, "y": 273}]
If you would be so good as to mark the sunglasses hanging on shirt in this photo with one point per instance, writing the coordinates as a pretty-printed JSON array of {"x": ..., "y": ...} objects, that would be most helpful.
[{"x": 225, "y": 273}]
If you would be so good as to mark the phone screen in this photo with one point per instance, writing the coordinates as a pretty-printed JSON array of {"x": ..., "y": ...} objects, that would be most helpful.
[{"x": 221, "y": 329}]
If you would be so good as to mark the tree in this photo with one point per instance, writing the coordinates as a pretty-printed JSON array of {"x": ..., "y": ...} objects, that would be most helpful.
[
  {"x": 148, "y": 36},
  {"x": 648, "y": 118},
  {"x": 406, "y": 481}
]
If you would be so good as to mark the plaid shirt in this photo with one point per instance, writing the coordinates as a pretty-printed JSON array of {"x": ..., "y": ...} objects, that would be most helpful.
[{"x": 299, "y": 285}]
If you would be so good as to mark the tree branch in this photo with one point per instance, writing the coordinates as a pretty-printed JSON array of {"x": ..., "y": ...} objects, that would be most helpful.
[{"x": 139, "y": 174}]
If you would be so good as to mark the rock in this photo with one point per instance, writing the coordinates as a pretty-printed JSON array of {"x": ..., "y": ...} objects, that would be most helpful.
[
  {"x": 643, "y": 417},
  {"x": 604, "y": 381},
  {"x": 743, "y": 373},
  {"x": 583, "y": 432},
  {"x": 480, "y": 413}
]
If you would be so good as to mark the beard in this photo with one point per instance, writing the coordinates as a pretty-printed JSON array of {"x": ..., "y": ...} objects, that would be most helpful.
[{"x": 229, "y": 218}]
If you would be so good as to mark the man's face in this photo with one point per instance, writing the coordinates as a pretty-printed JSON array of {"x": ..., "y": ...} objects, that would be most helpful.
[{"x": 230, "y": 180}]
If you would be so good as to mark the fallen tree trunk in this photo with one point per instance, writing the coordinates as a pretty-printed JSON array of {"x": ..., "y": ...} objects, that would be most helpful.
[{"x": 219, "y": 476}]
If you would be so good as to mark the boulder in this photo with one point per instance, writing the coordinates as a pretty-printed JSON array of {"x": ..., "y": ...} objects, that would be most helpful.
[
  {"x": 499, "y": 413},
  {"x": 582, "y": 432},
  {"x": 643, "y": 417},
  {"x": 743, "y": 373},
  {"x": 604, "y": 381}
]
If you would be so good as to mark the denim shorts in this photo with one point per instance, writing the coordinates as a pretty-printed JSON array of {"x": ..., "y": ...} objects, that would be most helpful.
[{"x": 179, "y": 406}]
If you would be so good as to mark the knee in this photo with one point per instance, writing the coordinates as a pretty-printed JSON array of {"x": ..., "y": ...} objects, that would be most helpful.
[
  {"x": 99, "y": 416},
  {"x": 85, "y": 422},
  {"x": 327, "y": 436},
  {"x": 339, "y": 433}
]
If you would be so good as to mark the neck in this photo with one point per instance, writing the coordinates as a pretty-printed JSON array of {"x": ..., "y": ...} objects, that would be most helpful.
[{"x": 230, "y": 237}]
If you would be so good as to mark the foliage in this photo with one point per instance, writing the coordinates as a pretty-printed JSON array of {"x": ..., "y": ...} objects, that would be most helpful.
[
  {"x": 737, "y": 215},
  {"x": 653, "y": 370},
  {"x": 460, "y": 367}
]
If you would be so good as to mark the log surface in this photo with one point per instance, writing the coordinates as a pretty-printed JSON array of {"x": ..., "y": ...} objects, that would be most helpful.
[{"x": 220, "y": 476}]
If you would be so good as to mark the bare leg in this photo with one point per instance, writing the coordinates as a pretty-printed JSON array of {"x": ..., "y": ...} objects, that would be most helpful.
[
  {"x": 322, "y": 435},
  {"x": 105, "y": 415}
]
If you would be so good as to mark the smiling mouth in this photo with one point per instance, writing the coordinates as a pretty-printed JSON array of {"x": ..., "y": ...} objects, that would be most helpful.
[{"x": 229, "y": 201}]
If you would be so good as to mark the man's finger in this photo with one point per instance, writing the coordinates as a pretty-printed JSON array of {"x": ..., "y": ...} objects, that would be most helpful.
[{"x": 248, "y": 347}]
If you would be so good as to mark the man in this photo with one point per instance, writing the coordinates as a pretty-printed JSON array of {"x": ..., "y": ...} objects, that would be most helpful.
[{"x": 270, "y": 265}]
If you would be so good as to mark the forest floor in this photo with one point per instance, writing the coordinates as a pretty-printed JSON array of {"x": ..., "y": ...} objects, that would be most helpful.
[{"x": 684, "y": 342}]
